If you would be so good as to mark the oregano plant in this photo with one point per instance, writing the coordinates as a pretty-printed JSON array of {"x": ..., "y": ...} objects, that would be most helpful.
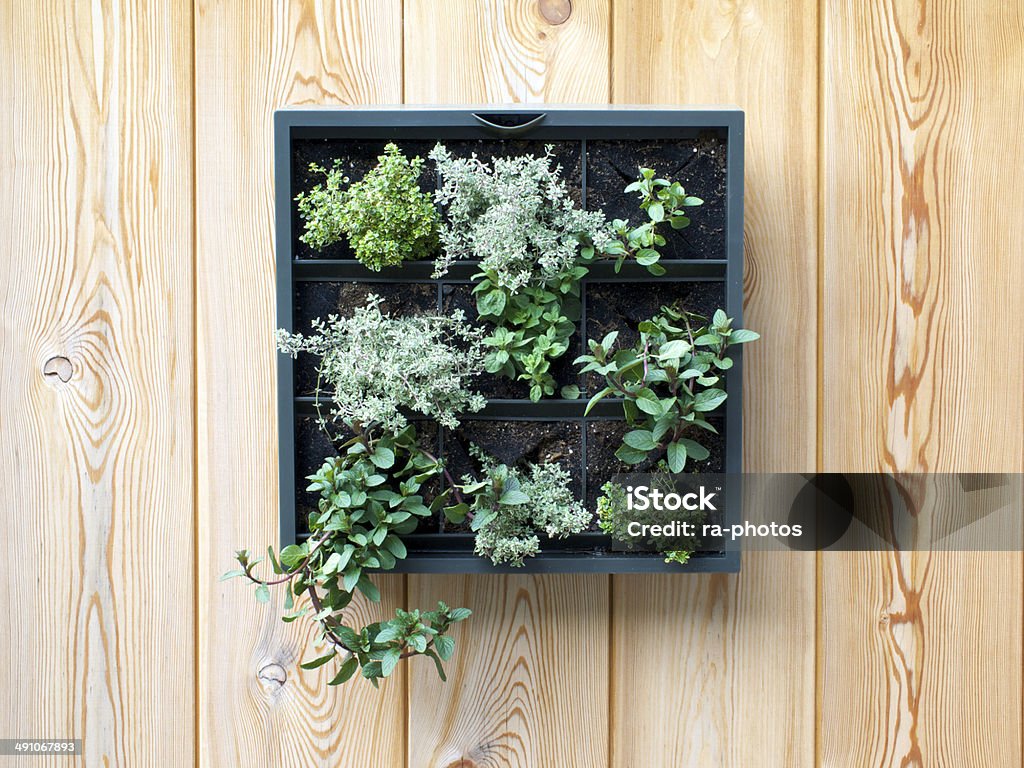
[{"x": 668, "y": 381}]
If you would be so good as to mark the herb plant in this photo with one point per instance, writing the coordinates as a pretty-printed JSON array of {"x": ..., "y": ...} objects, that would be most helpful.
[
  {"x": 614, "y": 515},
  {"x": 373, "y": 367},
  {"x": 386, "y": 217},
  {"x": 508, "y": 507},
  {"x": 662, "y": 200},
  {"x": 668, "y": 382},
  {"x": 369, "y": 497}
]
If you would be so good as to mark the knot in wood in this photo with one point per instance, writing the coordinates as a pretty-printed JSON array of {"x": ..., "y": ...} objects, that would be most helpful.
[
  {"x": 555, "y": 12},
  {"x": 462, "y": 762},
  {"x": 272, "y": 675},
  {"x": 60, "y": 367}
]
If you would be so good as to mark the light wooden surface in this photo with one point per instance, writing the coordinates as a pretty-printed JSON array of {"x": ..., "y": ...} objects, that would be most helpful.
[
  {"x": 96, "y": 406},
  {"x": 883, "y": 244},
  {"x": 761, "y": 56},
  {"x": 530, "y": 685},
  {"x": 256, "y": 707},
  {"x": 915, "y": 275}
]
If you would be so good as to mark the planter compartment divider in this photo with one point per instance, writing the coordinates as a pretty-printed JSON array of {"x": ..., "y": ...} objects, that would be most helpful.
[{"x": 598, "y": 149}]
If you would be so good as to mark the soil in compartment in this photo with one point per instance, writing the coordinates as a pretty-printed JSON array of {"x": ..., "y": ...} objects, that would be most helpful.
[
  {"x": 357, "y": 156},
  {"x": 516, "y": 443},
  {"x": 623, "y": 306},
  {"x": 698, "y": 164},
  {"x": 492, "y": 386},
  {"x": 604, "y": 437},
  {"x": 312, "y": 447},
  {"x": 318, "y": 299},
  {"x": 567, "y": 154}
]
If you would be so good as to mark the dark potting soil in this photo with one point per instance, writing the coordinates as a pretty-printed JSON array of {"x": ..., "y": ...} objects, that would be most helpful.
[
  {"x": 698, "y": 164},
  {"x": 312, "y": 447},
  {"x": 357, "y": 158},
  {"x": 460, "y": 296},
  {"x": 516, "y": 443},
  {"x": 623, "y": 306},
  {"x": 605, "y": 437},
  {"x": 318, "y": 299}
]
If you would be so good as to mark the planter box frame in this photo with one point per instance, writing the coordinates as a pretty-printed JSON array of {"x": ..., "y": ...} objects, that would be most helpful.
[{"x": 453, "y": 552}]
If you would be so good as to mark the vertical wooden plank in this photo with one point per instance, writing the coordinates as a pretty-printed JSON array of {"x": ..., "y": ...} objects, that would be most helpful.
[
  {"x": 923, "y": 369},
  {"x": 467, "y": 51},
  {"x": 529, "y": 684},
  {"x": 739, "y": 650},
  {"x": 96, "y": 348},
  {"x": 256, "y": 706}
]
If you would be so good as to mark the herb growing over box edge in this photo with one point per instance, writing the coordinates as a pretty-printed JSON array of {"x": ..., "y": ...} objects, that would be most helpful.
[{"x": 372, "y": 366}]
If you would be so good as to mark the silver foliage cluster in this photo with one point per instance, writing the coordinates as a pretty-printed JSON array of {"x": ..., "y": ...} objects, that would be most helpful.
[
  {"x": 548, "y": 505},
  {"x": 514, "y": 215},
  {"x": 373, "y": 366}
]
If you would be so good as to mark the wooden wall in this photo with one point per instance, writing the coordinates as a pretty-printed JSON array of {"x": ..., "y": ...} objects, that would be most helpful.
[{"x": 885, "y": 250}]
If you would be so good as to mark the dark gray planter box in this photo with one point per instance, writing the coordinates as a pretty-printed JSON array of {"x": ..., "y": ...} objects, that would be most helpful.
[{"x": 599, "y": 149}]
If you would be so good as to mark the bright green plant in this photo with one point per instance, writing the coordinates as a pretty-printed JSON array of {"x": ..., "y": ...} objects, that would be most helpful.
[
  {"x": 668, "y": 381},
  {"x": 509, "y": 507},
  {"x": 663, "y": 201},
  {"x": 370, "y": 496},
  {"x": 386, "y": 217},
  {"x": 372, "y": 367}
]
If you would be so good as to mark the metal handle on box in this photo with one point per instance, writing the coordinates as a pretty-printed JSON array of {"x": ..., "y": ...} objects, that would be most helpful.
[{"x": 526, "y": 121}]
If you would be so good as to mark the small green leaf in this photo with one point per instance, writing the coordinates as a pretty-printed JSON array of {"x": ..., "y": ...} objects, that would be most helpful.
[
  {"x": 347, "y": 670},
  {"x": 742, "y": 336},
  {"x": 318, "y": 662},
  {"x": 640, "y": 439},
  {"x": 262, "y": 594},
  {"x": 708, "y": 400},
  {"x": 444, "y": 646},
  {"x": 513, "y": 498},
  {"x": 596, "y": 398},
  {"x": 383, "y": 457},
  {"x": 656, "y": 211},
  {"x": 695, "y": 450},
  {"x": 437, "y": 664},
  {"x": 390, "y": 661},
  {"x": 676, "y": 457},
  {"x": 368, "y": 588},
  {"x": 459, "y": 614},
  {"x": 394, "y": 545},
  {"x": 673, "y": 350},
  {"x": 629, "y": 455},
  {"x": 570, "y": 392}
]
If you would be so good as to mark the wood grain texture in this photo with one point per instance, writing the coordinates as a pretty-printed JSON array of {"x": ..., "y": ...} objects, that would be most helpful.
[
  {"x": 741, "y": 653},
  {"x": 528, "y": 685},
  {"x": 256, "y": 706},
  {"x": 471, "y": 51},
  {"x": 521, "y": 695},
  {"x": 922, "y": 108},
  {"x": 96, "y": 378}
]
